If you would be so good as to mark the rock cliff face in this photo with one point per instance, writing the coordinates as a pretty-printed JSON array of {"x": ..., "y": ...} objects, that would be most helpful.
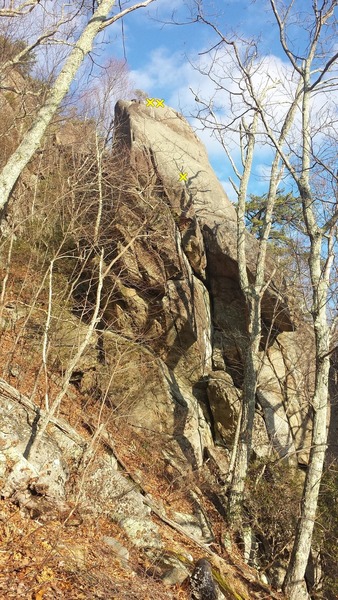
[{"x": 199, "y": 327}]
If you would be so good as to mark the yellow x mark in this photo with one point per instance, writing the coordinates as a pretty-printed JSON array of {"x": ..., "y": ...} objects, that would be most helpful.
[
  {"x": 183, "y": 176},
  {"x": 155, "y": 102}
]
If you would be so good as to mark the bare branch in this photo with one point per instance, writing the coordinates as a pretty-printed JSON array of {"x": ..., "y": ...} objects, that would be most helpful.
[
  {"x": 281, "y": 25},
  {"x": 24, "y": 9},
  {"x": 125, "y": 12},
  {"x": 325, "y": 69}
]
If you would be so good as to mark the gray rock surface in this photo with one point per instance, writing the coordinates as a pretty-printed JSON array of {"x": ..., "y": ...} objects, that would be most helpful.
[
  {"x": 169, "y": 145},
  {"x": 117, "y": 549},
  {"x": 201, "y": 340},
  {"x": 47, "y": 472}
]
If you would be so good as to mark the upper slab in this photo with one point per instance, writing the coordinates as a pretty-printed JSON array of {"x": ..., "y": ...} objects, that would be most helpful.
[{"x": 171, "y": 147}]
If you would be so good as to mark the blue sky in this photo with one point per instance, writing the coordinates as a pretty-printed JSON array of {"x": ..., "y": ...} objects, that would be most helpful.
[{"x": 161, "y": 55}]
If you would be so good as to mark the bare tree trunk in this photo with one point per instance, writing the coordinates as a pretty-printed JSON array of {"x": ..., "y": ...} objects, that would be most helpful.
[
  {"x": 253, "y": 293},
  {"x": 247, "y": 419},
  {"x": 294, "y": 581},
  {"x": 320, "y": 270},
  {"x": 99, "y": 151},
  {"x": 320, "y": 279},
  {"x": 243, "y": 449}
]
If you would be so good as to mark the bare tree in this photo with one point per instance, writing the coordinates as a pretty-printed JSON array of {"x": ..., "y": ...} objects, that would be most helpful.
[
  {"x": 99, "y": 20},
  {"x": 103, "y": 272},
  {"x": 295, "y": 115},
  {"x": 97, "y": 102},
  {"x": 320, "y": 218},
  {"x": 246, "y": 121}
]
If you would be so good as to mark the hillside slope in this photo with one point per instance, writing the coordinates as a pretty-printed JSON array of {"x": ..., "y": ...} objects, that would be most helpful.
[{"x": 121, "y": 305}]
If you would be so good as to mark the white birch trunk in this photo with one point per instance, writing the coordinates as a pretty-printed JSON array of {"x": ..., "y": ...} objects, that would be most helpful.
[
  {"x": 242, "y": 451},
  {"x": 253, "y": 294},
  {"x": 294, "y": 581},
  {"x": 320, "y": 281}
]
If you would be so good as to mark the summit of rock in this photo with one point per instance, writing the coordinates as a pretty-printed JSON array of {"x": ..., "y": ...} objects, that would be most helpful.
[{"x": 176, "y": 149}]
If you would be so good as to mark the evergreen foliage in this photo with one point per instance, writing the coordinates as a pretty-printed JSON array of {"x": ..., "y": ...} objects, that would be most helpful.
[{"x": 287, "y": 217}]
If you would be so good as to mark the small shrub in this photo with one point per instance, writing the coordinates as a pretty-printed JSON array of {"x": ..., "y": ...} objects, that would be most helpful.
[{"x": 272, "y": 501}]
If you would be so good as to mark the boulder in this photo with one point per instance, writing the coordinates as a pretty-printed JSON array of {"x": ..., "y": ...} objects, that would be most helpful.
[{"x": 224, "y": 401}]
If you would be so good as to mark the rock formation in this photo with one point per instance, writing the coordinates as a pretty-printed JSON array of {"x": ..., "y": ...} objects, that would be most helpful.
[
  {"x": 167, "y": 354},
  {"x": 173, "y": 305},
  {"x": 200, "y": 309}
]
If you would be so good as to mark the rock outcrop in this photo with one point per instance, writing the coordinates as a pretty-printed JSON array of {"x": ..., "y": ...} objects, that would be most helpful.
[
  {"x": 173, "y": 307},
  {"x": 200, "y": 308}
]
